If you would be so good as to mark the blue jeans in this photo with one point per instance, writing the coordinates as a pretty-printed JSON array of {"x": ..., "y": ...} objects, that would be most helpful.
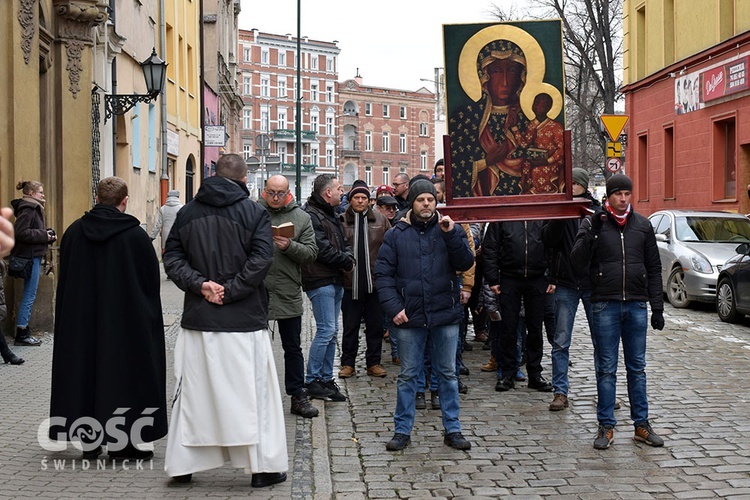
[
  {"x": 29, "y": 294},
  {"x": 411, "y": 344},
  {"x": 326, "y": 304},
  {"x": 612, "y": 321},
  {"x": 566, "y": 305}
]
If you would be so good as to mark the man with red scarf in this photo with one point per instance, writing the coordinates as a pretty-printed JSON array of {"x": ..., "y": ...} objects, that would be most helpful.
[{"x": 620, "y": 247}]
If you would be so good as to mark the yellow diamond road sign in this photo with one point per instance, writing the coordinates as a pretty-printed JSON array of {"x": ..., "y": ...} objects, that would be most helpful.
[{"x": 614, "y": 124}]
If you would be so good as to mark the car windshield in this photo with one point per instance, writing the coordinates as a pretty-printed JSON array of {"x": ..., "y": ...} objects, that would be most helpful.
[{"x": 713, "y": 229}]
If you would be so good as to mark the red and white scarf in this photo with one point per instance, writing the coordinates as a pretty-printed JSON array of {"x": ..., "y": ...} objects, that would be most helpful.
[{"x": 620, "y": 219}]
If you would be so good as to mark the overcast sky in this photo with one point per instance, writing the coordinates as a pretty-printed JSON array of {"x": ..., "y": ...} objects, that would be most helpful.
[{"x": 394, "y": 43}]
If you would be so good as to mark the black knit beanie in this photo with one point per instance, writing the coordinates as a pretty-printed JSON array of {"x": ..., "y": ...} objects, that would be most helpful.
[
  {"x": 618, "y": 182},
  {"x": 420, "y": 186},
  {"x": 359, "y": 187}
]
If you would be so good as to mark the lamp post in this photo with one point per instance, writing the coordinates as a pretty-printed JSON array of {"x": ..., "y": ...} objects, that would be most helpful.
[
  {"x": 439, "y": 82},
  {"x": 154, "y": 73}
]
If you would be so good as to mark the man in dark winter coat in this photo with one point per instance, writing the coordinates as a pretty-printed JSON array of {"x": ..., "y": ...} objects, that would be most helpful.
[
  {"x": 417, "y": 282},
  {"x": 619, "y": 247},
  {"x": 572, "y": 286},
  {"x": 108, "y": 363},
  {"x": 227, "y": 404},
  {"x": 323, "y": 282}
]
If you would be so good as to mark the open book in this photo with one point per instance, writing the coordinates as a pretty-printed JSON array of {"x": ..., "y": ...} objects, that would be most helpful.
[{"x": 286, "y": 229}]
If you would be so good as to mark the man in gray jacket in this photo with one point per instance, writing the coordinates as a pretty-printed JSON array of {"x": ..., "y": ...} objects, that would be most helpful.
[
  {"x": 284, "y": 281},
  {"x": 166, "y": 216}
]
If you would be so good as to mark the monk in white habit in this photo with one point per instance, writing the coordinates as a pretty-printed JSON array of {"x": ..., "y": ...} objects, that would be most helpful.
[{"x": 227, "y": 404}]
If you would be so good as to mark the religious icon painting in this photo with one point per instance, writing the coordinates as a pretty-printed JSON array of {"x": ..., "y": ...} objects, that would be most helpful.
[{"x": 505, "y": 87}]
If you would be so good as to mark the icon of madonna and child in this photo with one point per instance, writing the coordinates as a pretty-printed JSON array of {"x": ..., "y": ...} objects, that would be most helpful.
[{"x": 505, "y": 104}]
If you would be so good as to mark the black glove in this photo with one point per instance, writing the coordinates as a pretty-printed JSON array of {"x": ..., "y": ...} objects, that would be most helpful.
[
  {"x": 597, "y": 221},
  {"x": 657, "y": 320}
]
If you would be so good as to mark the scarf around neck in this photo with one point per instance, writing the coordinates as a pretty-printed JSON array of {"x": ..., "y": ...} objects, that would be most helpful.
[
  {"x": 361, "y": 278},
  {"x": 620, "y": 219}
]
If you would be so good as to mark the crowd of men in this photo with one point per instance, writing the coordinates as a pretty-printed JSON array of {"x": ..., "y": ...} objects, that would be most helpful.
[{"x": 388, "y": 259}]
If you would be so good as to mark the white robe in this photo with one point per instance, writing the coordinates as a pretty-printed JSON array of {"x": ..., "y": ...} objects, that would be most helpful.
[{"x": 227, "y": 404}]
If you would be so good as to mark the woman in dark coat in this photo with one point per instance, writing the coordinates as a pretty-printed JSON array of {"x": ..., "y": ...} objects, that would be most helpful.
[{"x": 32, "y": 238}]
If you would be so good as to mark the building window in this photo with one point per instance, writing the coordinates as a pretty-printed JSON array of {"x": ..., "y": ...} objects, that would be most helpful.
[
  {"x": 424, "y": 130},
  {"x": 265, "y": 86},
  {"x": 368, "y": 175},
  {"x": 281, "y": 116},
  {"x": 247, "y": 150},
  {"x": 642, "y": 188},
  {"x": 402, "y": 143},
  {"x": 247, "y": 119},
  {"x": 246, "y": 54},
  {"x": 282, "y": 59},
  {"x": 669, "y": 163},
  {"x": 136, "y": 124},
  {"x": 264, "y": 56},
  {"x": 314, "y": 155},
  {"x": 386, "y": 176},
  {"x": 281, "y": 152},
  {"x": 386, "y": 142},
  {"x": 402, "y": 112},
  {"x": 329, "y": 93},
  {"x": 247, "y": 85},
  {"x": 368, "y": 109},
  {"x": 368, "y": 140},
  {"x": 423, "y": 160},
  {"x": 281, "y": 87},
  {"x": 329, "y": 64},
  {"x": 265, "y": 119},
  {"x": 329, "y": 157},
  {"x": 313, "y": 61},
  {"x": 385, "y": 111},
  {"x": 725, "y": 159},
  {"x": 314, "y": 92},
  {"x": 314, "y": 122},
  {"x": 152, "y": 137},
  {"x": 329, "y": 125}
]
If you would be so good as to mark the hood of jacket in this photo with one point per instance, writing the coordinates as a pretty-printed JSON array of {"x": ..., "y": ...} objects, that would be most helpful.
[
  {"x": 173, "y": 201},
  {"x": 221, "y": 192},
  {"x": 20, "y": 203},
  {"x": 104, "y": 222}
]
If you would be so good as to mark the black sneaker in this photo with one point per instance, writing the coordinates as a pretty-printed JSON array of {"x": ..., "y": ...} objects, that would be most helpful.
[
  {"x": 463, "y": 370},
  {"x": 398, "y": 442},
  {"x": 505, "y": 384},
  {"x": 419, "y": 401},
  {"x": 435, "y": 400},
  {"x": 336, "y": 396},
  {"x": 457, "y": 441},
  {"x": 317, "y": 389},
  {"x": 540, "y": 384},
  {"x": 645, "y": 434},
  {"x": 462, "y": 388},
  {"x": 605, "y": 436},
  {"x": 301, "y": 405}
]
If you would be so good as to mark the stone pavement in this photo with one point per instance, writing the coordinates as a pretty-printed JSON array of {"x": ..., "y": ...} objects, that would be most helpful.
[{"x": 698, "y": 372}]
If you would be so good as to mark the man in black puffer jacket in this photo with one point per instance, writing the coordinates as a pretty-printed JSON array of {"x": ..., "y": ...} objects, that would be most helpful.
[{"x": 619, "y": 248}]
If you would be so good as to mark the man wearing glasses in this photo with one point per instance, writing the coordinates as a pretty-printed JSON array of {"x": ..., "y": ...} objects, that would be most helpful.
[
  {"x": 284, "y": 280},
  {"x": 401, "y": 190}
]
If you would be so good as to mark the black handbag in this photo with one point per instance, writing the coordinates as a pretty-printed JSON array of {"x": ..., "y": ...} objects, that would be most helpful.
[{"x": 20, "y": 267}]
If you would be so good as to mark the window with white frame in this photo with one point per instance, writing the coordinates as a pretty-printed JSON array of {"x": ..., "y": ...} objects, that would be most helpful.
[
  {"x": 281, "y": 151},
  {"x": 246, "y": 54},
  {"x": 265, "y": 119},
  {"x": 281, "y": 117},
  {"x": 314, "y": 121},
  {"x": 402, "y": 143},
  {"x": 247, "y": 85},
  {"x": 424, "y": 130},
  {"x": 314, "y": 155},
  {"x": 402, "y": 112},
  {"x": 386, "y": 175},
  {"x": 368, "y": 140},
  {"x": 264, "y": 56},
  {"x": 386, "y": 142},
  {"x": 265, "y": 86},
  {"x": 313, "y": 61},
  {"x": 329, "y": 157},
  {"x": 368, "y": 175},
  {"x": 281, "y": 86},
  {"x": 282, "y": 58},
  {"x": 329, "y": 125},
  {"x": 368, "y": 109},
  {"x": 247, "y": 118},
  {"x": 329, "y": 93},
  {"x": 329, "y": 63},
  {"x": 247, "y": 150},
  {"x": 314, "y": 92},
  {"x": 423, "y": 160},
  {"x": 386, "y": 112}
]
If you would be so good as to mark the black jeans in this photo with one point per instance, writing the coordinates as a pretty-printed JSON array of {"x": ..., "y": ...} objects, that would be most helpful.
[
  {"x": 352, "y": 312},
  {"x": 294, "y": 362},
  {"x": 532, "y": 291}
]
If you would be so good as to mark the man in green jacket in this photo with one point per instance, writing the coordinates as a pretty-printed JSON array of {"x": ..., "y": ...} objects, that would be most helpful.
[{"x": 284, "y": 280}]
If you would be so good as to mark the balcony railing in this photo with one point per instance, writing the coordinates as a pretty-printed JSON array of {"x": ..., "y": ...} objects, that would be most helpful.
[
  {"x": 291, "y": 167},
  {"x": 291, "y": 135}
]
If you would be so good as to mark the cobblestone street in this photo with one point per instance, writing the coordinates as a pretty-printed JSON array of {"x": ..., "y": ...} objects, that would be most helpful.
[{"x": 698, "y": 369}]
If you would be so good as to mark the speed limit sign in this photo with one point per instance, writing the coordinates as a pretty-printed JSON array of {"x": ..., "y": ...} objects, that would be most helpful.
[{"x": 614, "y": 164}]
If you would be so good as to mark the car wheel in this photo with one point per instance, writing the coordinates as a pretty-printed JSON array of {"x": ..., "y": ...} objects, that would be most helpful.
[
  {"x": 676, "y": 289},
  {"x": 725, "y": 302}
]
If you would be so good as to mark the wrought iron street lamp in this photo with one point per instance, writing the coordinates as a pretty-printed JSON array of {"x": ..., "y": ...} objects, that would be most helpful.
[{"x": 154, "y": 72}]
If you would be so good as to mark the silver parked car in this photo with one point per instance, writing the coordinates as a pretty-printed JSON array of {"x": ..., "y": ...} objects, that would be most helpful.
[{"x": 693, "y": 246}]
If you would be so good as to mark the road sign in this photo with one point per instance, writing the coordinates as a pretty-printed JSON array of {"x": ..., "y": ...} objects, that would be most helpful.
[
  {"x": 273, "y": 160},
  {"x": 253, "y": 164},
  {"x": 614, "y": 124},
  {"x": 263, "y": 140},
  {"x": 262, "y": 152},
  {"x": 614, "y": 150},
  {"x": 614, "y": 164},
  {"x": 214, "y": 136}
]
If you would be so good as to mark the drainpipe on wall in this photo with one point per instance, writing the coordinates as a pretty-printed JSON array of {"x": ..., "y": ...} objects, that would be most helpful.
[
  {"x": 114, "y": 118},
  {"x": 164, "y": 179}
]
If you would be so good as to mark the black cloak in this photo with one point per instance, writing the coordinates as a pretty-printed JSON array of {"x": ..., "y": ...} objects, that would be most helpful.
[{"x": 109, "y": 334}]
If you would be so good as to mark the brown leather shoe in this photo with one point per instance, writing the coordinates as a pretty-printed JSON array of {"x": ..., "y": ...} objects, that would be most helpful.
[
  {"x": 346, "y": 372},
  {"x": 376, "y": 371},
  {"x": 559, "y": 402},
  {"x": 480, "y": 336},
  {"x": 491, "y": 365}
]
